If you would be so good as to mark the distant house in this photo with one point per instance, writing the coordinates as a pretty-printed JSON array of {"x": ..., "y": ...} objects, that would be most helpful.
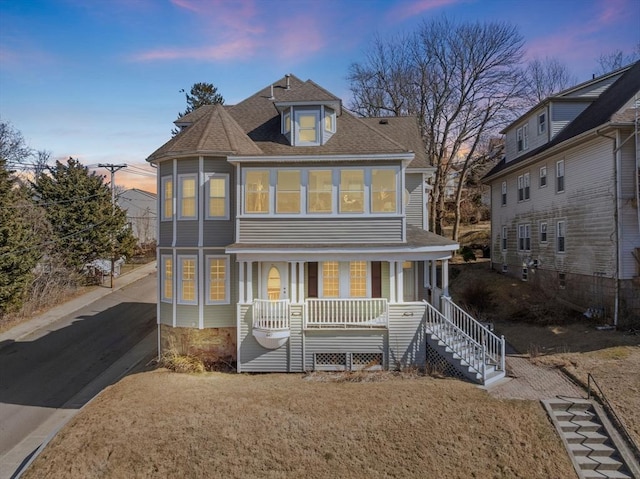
[
  {"x": 141, "y": 208},
  {"x": 293, "y": 237},
  {"x": 564, "y": 199}
]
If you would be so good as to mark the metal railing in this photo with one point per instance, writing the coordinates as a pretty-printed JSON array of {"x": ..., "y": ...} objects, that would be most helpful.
[
  {"x": 495, "y": 346},
  {"x": 271, "y": 314},
  {"x": 345, "y": 313},
  {"x": 463, "y": 345},
  {"x": 602, "y": 398}
]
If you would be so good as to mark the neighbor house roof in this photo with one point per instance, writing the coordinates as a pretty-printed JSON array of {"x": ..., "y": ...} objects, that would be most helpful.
[
  {"x": 603, "y": 110},
  {"x": 253, "y": 128}
]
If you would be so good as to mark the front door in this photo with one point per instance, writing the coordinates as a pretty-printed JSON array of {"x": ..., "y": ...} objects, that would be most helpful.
[{"x": 275, "y": 281}]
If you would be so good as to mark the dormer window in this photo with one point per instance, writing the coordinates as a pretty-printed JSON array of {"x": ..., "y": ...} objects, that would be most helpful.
[
  {"x": 329, "y": 120},
  {"x": 307, "y": 123},
  {"x": 286, "y": 123}
]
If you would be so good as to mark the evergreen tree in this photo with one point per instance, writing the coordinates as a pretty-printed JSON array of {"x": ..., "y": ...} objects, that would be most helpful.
[
  {"x": 200, "y": 94},
  {"x": 85, "y": 223},
  {"x": 19, "y": 251}
]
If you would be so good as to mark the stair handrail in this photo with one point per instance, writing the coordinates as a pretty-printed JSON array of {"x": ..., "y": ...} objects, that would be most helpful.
[
  {"x": 496, "y": 343},
  {"x": 612, "y": 413},
  {"x": 482, "y": 364}
]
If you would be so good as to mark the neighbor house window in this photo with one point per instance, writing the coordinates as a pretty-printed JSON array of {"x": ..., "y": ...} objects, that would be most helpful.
[
  {"x": 524, "y": 187},
  {"x": 187, "y": 279},
  {"x": 503, "y": 201},
  {"x": 543, "y": 232},
  {"x": 288, "y": 191},
  {"x": 351, "y": 191},
  {"x": 358, "y": 279},
  {"x": 167, "y": 278},
  {"x": 330, "y": 279},
  {"x": 187, "y": 191},
  {"x": 256, "y": 187},
  {"x": 383, "y": 191},
  {"x": 560, "y": 236},
  {"x": 217, "y": 206},
  {"x": 543, "y": 176},
  {"x": 522, "y": 137},
  {"x": 320, "y": 191},
  {"x": 217, "y": 279},
  {"x": 524, "y": 237},
  {"x": 560, "y": 176},
  {"x": 504, "y": 238},
  {"x": 542, "y": 123},
  {"x": 308, "y": 128},
  {"x": 167, "y": 198}
]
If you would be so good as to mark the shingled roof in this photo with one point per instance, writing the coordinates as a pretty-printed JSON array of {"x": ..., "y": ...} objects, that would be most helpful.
[
  {"x": 603, "y": 110},
  {"x": 252, "y": 128}
]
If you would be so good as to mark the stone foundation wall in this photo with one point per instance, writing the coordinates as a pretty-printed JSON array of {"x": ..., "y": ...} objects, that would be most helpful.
[{"x": 211, "y": 345}]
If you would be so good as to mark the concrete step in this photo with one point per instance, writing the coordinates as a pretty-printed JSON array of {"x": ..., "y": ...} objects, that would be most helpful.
[
  {"x": 574, "y": 404},
  {"x": 574, "y": 415},
  {"x": 592, "y": 450},
  {"x": 579, "y": 426},
  {"x": 605, "y": 475},
  {"x": 585, "y": 437},
  {"x": 599, "y": 463}
]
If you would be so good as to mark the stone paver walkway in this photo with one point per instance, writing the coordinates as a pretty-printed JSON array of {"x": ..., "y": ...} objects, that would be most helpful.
[{"x": 526, "y": 380}]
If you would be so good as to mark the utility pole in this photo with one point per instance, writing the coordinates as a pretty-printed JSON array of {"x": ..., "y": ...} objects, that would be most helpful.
[{"x": 112, "y": 169}]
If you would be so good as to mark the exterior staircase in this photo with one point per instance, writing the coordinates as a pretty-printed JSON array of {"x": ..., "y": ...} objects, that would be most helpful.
[
  {"x": 592, "y": 442},
  {"x": 468, "y": 347}
]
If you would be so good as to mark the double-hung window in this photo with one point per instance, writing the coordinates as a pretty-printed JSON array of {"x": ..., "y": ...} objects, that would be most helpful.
[
  {"x": 188, "y": 196},
  {"x": 524, "y": 237},
  {"x": 288, "y": 191},
  {"x": 307, "y": 126},
  {"x": 524, "y": 187},
  {"x": 560, "y": 176},
  {"x": 217, "y": 279},
  {"x": 383, "y": 191},
  {"x": 187, "y": 279},
  {"x": 504, "y": 238},
  {"x": 320, "y": 191},
  {"x": 522, "y": 137},
  {"x": 256, "y": 191},
  {"x": 503, "y": 197},
  {"x": 543, "y": 232},
  {"x": 217, "y": 191},
  {"x": 167, "y": 198},
  {"x": 542, "y": 123},
  {"x": 166, "y": 272},
  {"x": 543, "y": 176},
  {"x": 560, "y": 236},
  {"x": 351, "y": 191}
]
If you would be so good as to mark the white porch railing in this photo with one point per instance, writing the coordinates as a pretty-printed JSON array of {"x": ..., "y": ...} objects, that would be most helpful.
[
  {"x": 463, "y": 345},
  {"x": 495, "y": 346},
  {"x": 271, "y": 315},
  {"x": 346, "y": 313}
]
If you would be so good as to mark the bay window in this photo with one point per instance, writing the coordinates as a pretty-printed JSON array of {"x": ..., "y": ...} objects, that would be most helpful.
[
  {"x": 187, "y": 274},
  {"x": 166, "y": 273},
  {"x": 217, "y": 279},
  {"x": 187, "y": 191},
  {"x": 167, "y": 198},
  {"x": 217, "y": 206}
]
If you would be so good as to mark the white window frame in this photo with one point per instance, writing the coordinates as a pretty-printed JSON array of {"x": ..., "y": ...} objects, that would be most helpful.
[
  {"x": 163, "y": 201},
  {"x": 561, "y": 227},
  {"x": 560, "y": 176},
  {"x": 304, "y": 112},
  {"x": 227, "y": 280},
  {"x": 503, "y": 194},
  {"x": 544, "y": 230},
  {"x": 522, "y": 138},
  {"x": 503, "y": 239},
  {"x": 181, "y": 178},
  {"x": 179, "y": 278},
  {"x": 524, "y": 187},
  {"x": 525, "y": 136},
  {"x": 208, "y": 177},
  {"x": 524, "y": 237},
  {"x": 163, "y": 278},
  {"x": 543, "y": 177},
  {"x": 329, "y": 113},
  {"x": 542, "y": 123},
  {"x": 344, "y": 280}
]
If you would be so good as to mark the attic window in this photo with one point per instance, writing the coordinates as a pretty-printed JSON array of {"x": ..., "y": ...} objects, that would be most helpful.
[
  {"x": 329, "y": 120},
  {"x": 286, "y": 123}
]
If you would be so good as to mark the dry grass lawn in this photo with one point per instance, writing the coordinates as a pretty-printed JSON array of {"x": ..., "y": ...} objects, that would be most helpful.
[{"x": 163, "y": 424}]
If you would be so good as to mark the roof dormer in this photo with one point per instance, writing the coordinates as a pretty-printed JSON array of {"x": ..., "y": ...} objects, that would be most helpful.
[{"x": 308, "y": 124}]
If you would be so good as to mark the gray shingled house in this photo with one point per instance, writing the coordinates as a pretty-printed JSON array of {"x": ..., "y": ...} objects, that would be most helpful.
[
  {"x": 564, "y": 200},
  {"x": 293, "y": 237}
]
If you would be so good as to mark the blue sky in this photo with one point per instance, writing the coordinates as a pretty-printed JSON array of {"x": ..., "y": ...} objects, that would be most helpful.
[{"x": 100, "y": 80}]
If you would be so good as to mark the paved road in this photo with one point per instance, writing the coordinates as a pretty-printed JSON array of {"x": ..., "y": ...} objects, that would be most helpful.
[{"x": 44, "y": 373}]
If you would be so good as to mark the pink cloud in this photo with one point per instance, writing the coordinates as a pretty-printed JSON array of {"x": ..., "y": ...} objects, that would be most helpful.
[
  {"x": 410, "y": 9},
  {"x": 300, "y": 36},
  {"x": 240, "y": 48}
]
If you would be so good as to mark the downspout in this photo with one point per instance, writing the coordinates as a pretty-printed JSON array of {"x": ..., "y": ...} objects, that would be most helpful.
[{"x": 616, "y": 183}]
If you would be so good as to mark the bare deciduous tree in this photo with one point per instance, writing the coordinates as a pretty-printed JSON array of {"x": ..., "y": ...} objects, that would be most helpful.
[
  {"x": 608, "y": 62},
  {"x": 13, "y": 148},
  {"x": 545, "y": 77},
  {"x": 462, "y": 81}
]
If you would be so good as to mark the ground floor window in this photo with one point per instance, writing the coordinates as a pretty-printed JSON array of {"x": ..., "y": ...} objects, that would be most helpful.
[
  {"x": 187, "y": 275},
  {"x": 347, "y": 279},
  {"x": 217, "y": 279},
  {"x": 166, "y": 275}
]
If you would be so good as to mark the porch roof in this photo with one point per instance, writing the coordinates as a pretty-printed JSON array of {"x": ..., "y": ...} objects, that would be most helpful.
[{"x": 420, "y": 245}]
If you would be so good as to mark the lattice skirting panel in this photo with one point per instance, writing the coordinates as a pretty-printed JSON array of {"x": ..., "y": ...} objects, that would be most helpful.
[
  {"x": 437, "y": 363},
  {"x": 348, "y": 361}
]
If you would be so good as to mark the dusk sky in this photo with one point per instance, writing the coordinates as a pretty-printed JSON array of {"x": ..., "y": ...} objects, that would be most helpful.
[{"x": 100, "y": 80}]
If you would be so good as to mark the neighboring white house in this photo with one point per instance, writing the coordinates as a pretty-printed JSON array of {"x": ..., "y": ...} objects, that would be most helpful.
[
  {"x": 293, "y": 237},
  {"x": 141, "y": 208},
  {"x": 564, "y": 211}
]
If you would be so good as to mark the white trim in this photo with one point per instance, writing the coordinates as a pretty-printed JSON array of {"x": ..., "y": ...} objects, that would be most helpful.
[
  {"x": 249, "y": 281},
  {"x": 227, "y": 279},
  {"x": 241, "y": 281},
  {"x": 321, "y": 158},
  {"x": 174, "y": 229},
  {"x": 179, "y": 277},
  {"x": 181, "y": 178}
]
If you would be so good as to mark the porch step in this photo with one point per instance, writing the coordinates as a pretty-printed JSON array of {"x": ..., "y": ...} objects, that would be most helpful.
[{"x": 587, "y": 436}]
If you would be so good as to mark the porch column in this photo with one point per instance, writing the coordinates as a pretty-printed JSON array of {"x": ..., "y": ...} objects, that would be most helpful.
[
  {"x": 392, "y": 281},
  {"x": 425, "y": 273},
  {"x": 249, "y": 281},
  {"x": 300, "y": 282},
  {"x": 293, "y": 283},
  {"x": 241, "y": 283},
  {"x": 399, "y": 282},
  {"x": 434, "y": 275},
  {"x": 445, "y": 277}
]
